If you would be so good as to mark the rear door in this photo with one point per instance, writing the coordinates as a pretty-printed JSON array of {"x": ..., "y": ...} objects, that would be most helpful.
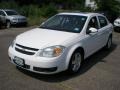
[{"x": 104, "y": 29}]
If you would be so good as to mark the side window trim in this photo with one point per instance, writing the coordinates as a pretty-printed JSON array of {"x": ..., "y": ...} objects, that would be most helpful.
[
  {"x": 4, "y": 13},
  {"x": 107, "y": 20},
  {"x": 98, "y": 23}
]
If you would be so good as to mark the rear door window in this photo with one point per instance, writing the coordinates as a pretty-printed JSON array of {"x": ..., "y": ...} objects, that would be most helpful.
[{"x": 103, "y": 22}]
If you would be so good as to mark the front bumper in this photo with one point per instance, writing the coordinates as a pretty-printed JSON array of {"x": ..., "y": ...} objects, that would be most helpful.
[{"x": 38, "y": 64}]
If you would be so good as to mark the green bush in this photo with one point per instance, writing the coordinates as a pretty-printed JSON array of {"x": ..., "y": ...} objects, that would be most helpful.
[
  {"x": 49, "y": 10},
  {"x": 35, "y": 20},
  {"x": 8, "y": 5}
]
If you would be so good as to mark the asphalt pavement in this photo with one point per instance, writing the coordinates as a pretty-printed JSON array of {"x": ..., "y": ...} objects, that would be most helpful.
[{"x": 101, "y": 71}]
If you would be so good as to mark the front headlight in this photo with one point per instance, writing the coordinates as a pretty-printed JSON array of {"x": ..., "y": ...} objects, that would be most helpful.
[{"x": 52, "y": 51}]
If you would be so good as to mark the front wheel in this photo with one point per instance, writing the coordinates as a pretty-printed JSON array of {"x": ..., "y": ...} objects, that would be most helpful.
[
  {"x": 8, "y": 24},
  {"x": 75, "y": 62}
]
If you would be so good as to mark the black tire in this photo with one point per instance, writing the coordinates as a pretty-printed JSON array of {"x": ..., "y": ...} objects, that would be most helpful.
[
  {"x": 8, "y": 24},
  {"x": 109, "y": 43},
  {"x": 72, "y": 67}
]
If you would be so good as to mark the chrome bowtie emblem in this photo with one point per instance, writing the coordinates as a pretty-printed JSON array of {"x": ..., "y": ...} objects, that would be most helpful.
[{"x": 23, "y": 49}]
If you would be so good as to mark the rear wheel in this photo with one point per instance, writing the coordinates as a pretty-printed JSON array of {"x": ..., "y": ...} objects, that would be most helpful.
[
  {"x": 109, "y": 43},
  {"x": 75, "y": 62}
]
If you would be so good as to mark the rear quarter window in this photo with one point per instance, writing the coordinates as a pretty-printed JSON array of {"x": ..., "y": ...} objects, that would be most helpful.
[{"x": 103, "y": 22}]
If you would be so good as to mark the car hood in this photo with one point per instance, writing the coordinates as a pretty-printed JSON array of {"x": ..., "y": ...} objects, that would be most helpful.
[
  {"x": 17, "y": 16},
  {"x": 41, "y": 38}
]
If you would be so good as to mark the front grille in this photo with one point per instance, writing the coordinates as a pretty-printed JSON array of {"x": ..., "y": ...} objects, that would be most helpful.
[
  {"x": 34, "y": 49},
  {"x": 25, "y": 50},
  {"x": 21, "y": 19}
]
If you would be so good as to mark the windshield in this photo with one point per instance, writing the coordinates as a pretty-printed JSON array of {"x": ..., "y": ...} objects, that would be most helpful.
[
  {"x": 68, "y": 23},
  {"x": 9, "y": 13}
]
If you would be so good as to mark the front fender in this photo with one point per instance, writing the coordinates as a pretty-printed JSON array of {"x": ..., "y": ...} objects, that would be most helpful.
[{"x": 71, "y": 50}]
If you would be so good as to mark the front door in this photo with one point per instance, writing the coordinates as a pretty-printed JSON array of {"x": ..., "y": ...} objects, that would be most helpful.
[{"x": 92, "y": 40}]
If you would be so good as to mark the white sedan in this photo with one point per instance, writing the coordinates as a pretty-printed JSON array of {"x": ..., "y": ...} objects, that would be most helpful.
[{"x": 61, "y": 43}]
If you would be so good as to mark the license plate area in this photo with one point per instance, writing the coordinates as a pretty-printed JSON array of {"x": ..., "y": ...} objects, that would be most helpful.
[{"x": 19, "y": 61}]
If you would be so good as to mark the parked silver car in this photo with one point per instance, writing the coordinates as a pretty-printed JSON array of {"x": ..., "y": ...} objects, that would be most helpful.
[{"x": 11, "y": 17}]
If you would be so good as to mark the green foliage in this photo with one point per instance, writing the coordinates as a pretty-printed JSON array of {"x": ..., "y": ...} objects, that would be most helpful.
[
  {"x": 8, "y": 5},
  {"x": 109, "y": 5},
  {"x": 35, "y": 20},
  {"x": 35, "y": 10},
  {"x": 34, "y": 13},
  {"x": 112, "y": 7},
  {"x": 49, "y": 10},
  {"x": 30, "y": 10}
]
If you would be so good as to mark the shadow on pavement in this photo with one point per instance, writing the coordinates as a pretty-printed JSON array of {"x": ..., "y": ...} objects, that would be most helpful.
[
  {"x": 117, "y": 30},
  {"x": 86, "y": 65}
]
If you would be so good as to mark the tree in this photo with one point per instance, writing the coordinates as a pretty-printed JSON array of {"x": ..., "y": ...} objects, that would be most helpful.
[{"x": 112, "y": 7}]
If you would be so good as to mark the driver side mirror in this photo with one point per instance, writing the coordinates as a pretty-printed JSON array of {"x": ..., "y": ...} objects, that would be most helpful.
[{"x": 92, "y": 30}]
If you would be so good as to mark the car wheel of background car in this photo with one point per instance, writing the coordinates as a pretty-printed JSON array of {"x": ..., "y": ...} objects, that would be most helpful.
[
  {"x": 109, "y": 43},
  {"x": 8, "y": 24},
  {"x": 75, "y": 62}
]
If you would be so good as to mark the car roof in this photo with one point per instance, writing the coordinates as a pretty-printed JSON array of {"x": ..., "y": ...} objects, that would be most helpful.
[
  {"x": 80, "y": 13},
  {"x": 7, "y": 9}
]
